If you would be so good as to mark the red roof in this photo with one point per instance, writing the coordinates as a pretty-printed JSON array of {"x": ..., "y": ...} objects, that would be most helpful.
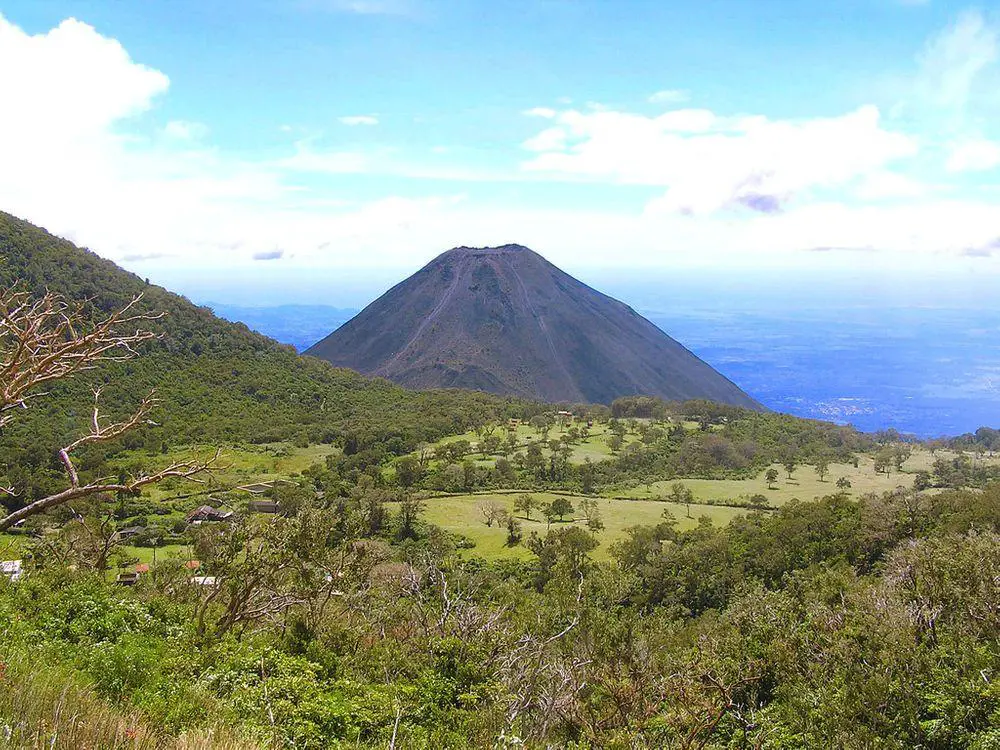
[
  {"x": 142, "y": 568},
  {"x": 192, "y": 564}
]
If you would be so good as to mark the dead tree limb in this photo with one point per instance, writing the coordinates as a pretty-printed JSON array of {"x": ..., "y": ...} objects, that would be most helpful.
[{"x": 45, "y": 339}]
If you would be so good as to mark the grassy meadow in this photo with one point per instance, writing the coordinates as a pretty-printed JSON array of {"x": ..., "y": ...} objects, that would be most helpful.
[
  {"x": 462, "y": 515},
  {"x": 237, "y": 466},
  {"x": 594, "y": 446},
  {"x": 804, "y": 483},
  {"x": 620, "y": 507}
]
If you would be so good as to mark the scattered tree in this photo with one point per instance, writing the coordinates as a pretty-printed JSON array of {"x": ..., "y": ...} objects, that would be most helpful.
[
  {"x": 410, "y": 508},
  {"x": 408, "y": 471},
  {"x": 490, "y": 445},
  {"x": 789, "y": 466},
  {"x": 595, "y": 523},
  {"x": 587, "y": 477},
  {"x": 899, "y": 455},
  {"x": 561, "y": 506},
  {"x": 822, "y": 468},
  {"x": 922, "y": 480},
  {"x": 513, "y": 532},
  {"x": 884, "y": 460},
  {"x": 491, "y": 512},
  {"x": 771, "y": 476},
  {"x": 682, "y": 495},
  {"x": 550, "y": 514},
  {"x": 523, "y": 503}
]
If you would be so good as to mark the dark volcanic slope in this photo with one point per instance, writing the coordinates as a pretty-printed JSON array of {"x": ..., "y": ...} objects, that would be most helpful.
[{"x": 506, "y": 320}]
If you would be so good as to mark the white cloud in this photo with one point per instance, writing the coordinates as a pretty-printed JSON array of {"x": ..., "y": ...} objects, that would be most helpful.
[
  {"x": 687, "y": 120},
  {"x": 358, "y": 120},
  {"x": 668, "y": 96},
  {"x": 886, "y": 185},
  {"x": 974, "y": 155},
  {"x": 709, "y": 163},
  {"x": 182, "y": 130},
  {"x": 77, "y": 160},
  {"x": 269, "y": 255},
  {"x": 144, "y": 194},
  {"x": 546, "y": 113},
  {"x": 112, "y": 176},
  {"x": 72, "y": 81},
  {"x": 953, "y": 62},
  {"x": 550, "y": 139},
  {"x": 306, "y": 159}
]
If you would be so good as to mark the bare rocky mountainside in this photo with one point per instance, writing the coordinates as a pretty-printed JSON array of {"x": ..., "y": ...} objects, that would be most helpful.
[{"x": 505, "y": 320}]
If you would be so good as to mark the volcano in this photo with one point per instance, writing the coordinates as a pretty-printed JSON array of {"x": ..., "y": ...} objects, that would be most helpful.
[{"x": 505, "y": 320}]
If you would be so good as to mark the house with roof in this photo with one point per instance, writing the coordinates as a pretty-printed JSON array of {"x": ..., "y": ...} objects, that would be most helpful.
[
  {"x": 263, "y": 506},
  {"x": 261, "y": 488},
  {"x": 206, "y": 513},
  {"x": 125, "y": 534}
]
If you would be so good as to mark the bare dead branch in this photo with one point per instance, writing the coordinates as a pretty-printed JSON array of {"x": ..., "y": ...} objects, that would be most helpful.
[
  {"x": 43, "y": 339},
  {"x": 184, "y": 470}
]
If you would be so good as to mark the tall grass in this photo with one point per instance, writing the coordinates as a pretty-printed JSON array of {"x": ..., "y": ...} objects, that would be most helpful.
[{"x": 48, "y": 708}]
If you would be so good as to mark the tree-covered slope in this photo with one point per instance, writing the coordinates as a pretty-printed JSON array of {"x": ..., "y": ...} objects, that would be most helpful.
[{"x": 215, "y": 380}]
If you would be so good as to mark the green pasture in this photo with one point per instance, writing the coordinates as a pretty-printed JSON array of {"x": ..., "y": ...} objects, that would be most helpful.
[
  {"x": 804, "y": 483},
  {"x": 237, "y": 466},
  {"x": 463, "y": 515},
  {"x": 593, "y": 447}
]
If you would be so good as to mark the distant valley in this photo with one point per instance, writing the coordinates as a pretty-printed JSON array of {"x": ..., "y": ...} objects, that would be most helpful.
[{"x": 298, "y": 325}]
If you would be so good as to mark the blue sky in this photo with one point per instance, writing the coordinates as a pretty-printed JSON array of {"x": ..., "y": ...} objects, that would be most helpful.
[{"x": 346, "y": 139}]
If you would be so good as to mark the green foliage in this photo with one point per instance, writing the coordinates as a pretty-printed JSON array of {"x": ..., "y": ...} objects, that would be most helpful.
[
  {"x": 216, "y": 382},
  {"x": 862, "y": 623},
  {"x": 348, "y": 620}
]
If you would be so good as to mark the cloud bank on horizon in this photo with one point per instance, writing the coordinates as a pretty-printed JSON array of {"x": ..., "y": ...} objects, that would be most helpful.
[{"x": 906, "y": 167}]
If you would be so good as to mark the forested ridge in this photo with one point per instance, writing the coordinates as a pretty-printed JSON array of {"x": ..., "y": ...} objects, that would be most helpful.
[{"x": 216, "y": 382}]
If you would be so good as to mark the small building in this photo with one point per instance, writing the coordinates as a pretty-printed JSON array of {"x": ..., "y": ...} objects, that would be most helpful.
[
  {"x": 123, "y": 534},
  {"x": 204, "y": 513},
  {"x": 142, "y": 568},
  {"x": 204, "y": 580},
  {"x": 12, "y": 570},
  {"x": 127, "y": 579},
  {"x": 192, "y": 564},
  {"x": 263, "y": 506},
  {"x": 256, "y": 489},
  {"x": 261, "y": 488}
]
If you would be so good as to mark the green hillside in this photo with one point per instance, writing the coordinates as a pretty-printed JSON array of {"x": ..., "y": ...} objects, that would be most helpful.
[{"x": 216, "y": 381}]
